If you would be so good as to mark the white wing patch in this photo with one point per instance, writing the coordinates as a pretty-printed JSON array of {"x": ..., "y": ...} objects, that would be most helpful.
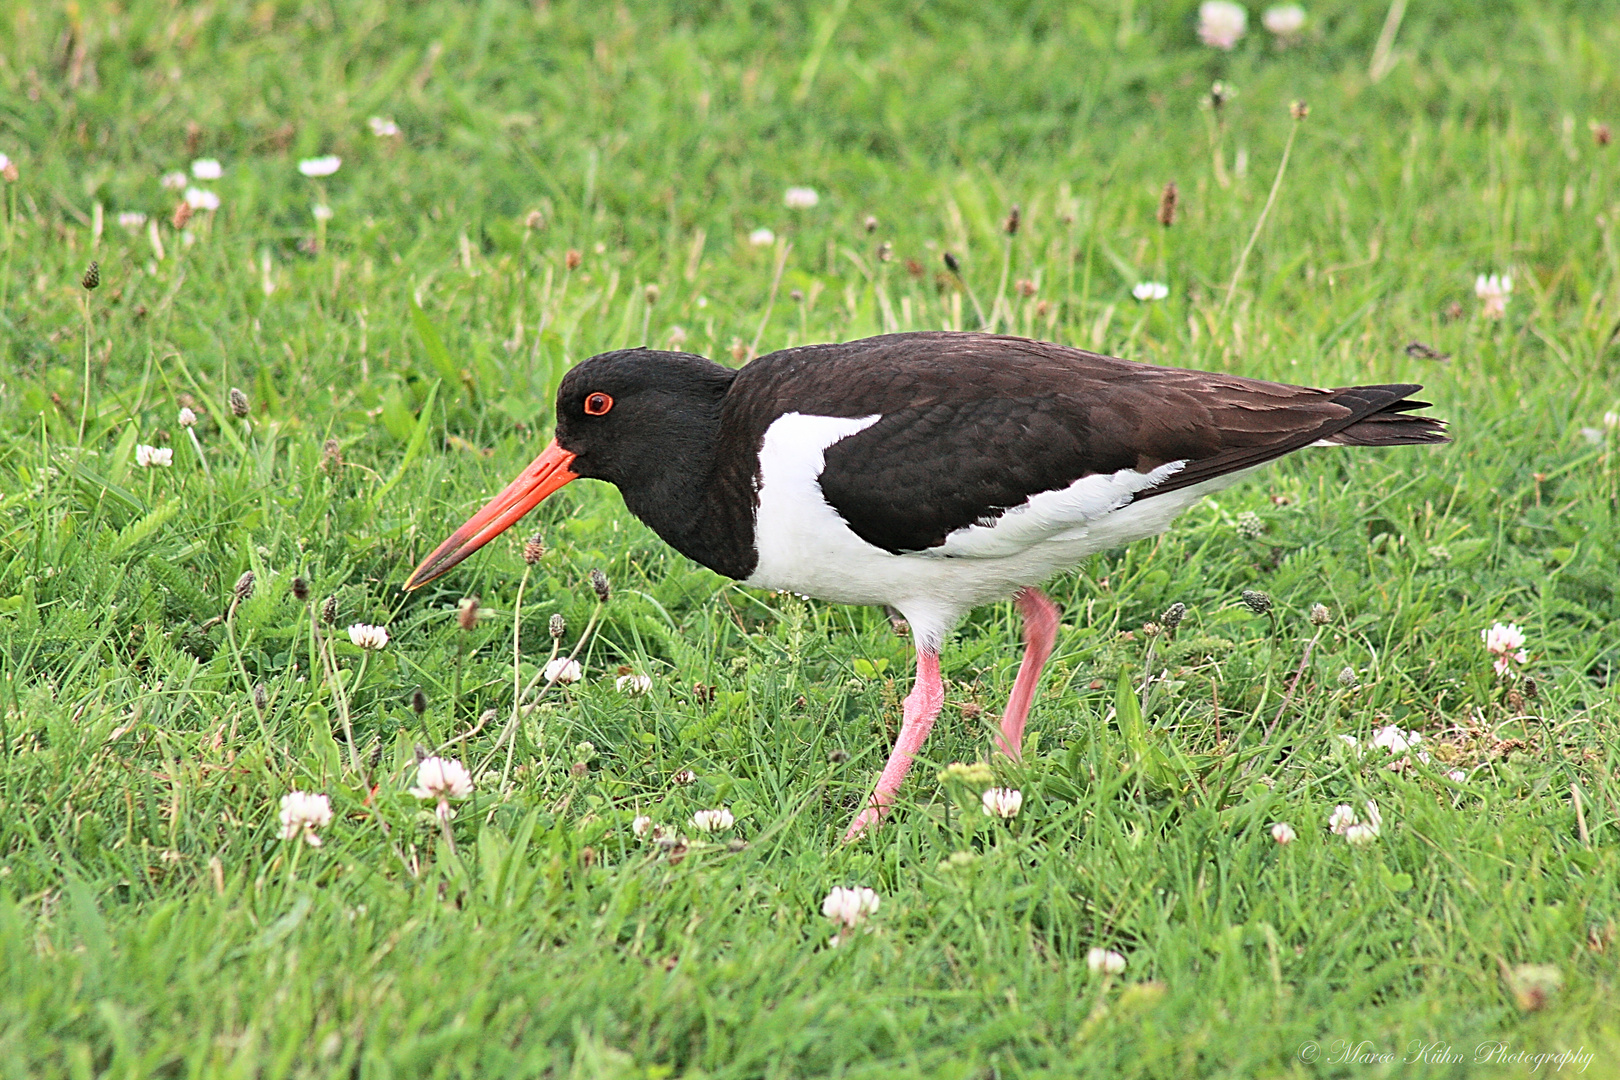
[
  {"x": 1064, "y": 514},
  {"x": 800, "y": 539},
  {"x": 804, "y": 546}
]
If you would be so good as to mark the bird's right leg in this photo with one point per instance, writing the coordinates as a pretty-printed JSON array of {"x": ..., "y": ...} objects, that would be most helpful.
[
  {"x": 921, "y": 706},
  {"x": 1040, "y": 631}
]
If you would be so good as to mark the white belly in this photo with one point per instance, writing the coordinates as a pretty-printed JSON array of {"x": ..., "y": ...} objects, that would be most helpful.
[{"x": 805, "y": 547}]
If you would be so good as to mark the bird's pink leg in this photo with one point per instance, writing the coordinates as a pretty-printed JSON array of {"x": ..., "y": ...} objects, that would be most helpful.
[
  {"x": 1040, "y": 631},
  {"x": 921, "y": 706}
]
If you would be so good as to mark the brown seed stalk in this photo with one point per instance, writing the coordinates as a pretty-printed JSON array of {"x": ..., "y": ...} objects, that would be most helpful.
[{"x": 1167, "y": 204}]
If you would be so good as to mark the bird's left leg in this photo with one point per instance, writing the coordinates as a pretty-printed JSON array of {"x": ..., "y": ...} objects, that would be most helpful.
[
  {"x": 1040, "y": 631},
  {"x": 920, "y": 708}
]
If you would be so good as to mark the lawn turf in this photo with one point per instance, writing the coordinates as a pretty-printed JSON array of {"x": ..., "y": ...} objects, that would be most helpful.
[{"x": 572, "y": 177}]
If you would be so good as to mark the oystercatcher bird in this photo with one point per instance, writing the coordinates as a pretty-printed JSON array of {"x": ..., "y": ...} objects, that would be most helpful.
[{"x": 929, "y": 472}]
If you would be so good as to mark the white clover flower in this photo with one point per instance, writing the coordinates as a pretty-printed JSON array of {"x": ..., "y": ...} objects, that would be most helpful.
[
  {"x": 201, "y": 199},
  {"x": 762, "y": 237},
  {"x": 713, "y": 820},
  {"x": 1105, "y": 961},
  {"x": 1284, "y": 20},
  {"x": 187, "y": 418},
  {"x": 369, "y": 637},
  {"x": 442, "y": 778},
  {"x": 1611, "y": 420},
  {"x": 322, "y": 212},
  {"x": 563, "y": 670},
  {"x": 320, "y": 166},
  {"x": 640, "y": 825},
  {"x": 1375, "y": 820},
  {"x": 1002, "y": 802},
  {"x": 207, "y": 169},
  {"x": 383, "y": 127},
  {"x": 800, "y": 198},
  {"x": 1395, "y": 739},
  {"x": 1342, "y": 818},
  {"x": 849, "y": 907},
  {"x": 131, "y": 220},
  {"x": 1361, "y": 836},
  {"x": 1503, "y": 638},
  {"x": 1148, "y": 291},
  {"x": 684, "y": 776},
  {"x": 633, "y": 684},
  {"x": 1493, "y": 291},
  {"x": 1506, "y": 643},
  {"x": 148, "y": 456},
  {"x": 1349, "y": 740},
  {"x": 1456, "y": 776},
  {"x": 1221, "y": 23},
  {"x": 1282, "y": 832},
  {"x": 174, "y": 181},
  {"x": 302, "y": 813}
]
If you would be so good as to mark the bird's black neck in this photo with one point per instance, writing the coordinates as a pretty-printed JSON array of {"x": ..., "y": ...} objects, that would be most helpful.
[
  {"x": 679, "y": 496},
  {"x": 673, "y": 468}
]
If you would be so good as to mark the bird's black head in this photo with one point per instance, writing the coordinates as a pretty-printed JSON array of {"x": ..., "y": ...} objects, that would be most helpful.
[
  {"x": 641, "y": 419},
  {"x": 646, "y": 422}
]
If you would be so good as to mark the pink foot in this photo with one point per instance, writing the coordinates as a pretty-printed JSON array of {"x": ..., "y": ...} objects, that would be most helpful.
[
  {"x": 921, "y": 706},
  {"x": 1040, "y": 631}
]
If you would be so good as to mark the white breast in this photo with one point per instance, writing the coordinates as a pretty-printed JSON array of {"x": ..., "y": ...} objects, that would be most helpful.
[{"x": 804, "y": 546}]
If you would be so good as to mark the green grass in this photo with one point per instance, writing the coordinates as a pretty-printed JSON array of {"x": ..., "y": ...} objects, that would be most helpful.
[{"x": 152, "y": 923}]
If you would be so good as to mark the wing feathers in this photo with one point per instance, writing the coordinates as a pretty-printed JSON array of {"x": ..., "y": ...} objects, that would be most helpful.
[{"x": 975, "y": 425}]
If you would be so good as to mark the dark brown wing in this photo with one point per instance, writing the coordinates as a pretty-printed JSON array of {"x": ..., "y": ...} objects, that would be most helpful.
[{"x": 974, "y": 424}]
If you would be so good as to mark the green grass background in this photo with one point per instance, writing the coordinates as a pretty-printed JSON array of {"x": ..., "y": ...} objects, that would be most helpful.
[{"x": 152, "y": 924}]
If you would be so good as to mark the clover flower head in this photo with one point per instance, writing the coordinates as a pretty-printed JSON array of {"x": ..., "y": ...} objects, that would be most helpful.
[
  {"x": 633, "y": 683},
  {"x": 1493, "y": 291},
  {"x": 1221, "y": 23},
  {"x": 1002, "y": 802},
  {"x": 320, "y": 166},
  {"x": 302, "y": 813},
  {"x": 563, "y": 670},
  {"x": 368, "y": 637},
  {"x": 1361, "y": 836},
  {"x": 442, "y": 778},
  {"x": 713, "y": 820},
  {"x": 1396, "y": 739},
  {"x": 1105, "y": 961},
  {"x": 1284, "y": 20},
  {"x": 1503, "y": 638},
  {"x": 148, "y": 456},
  {"x": 849, "y": 907},
  {"x": 1506, "y": 643}
]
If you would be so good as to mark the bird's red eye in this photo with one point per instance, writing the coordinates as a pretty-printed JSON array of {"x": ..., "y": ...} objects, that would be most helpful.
[{"x": 598, "y": 405}]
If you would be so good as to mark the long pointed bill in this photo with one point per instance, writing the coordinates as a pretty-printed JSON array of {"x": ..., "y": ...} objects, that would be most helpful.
[{"x": 545, "y": 474}]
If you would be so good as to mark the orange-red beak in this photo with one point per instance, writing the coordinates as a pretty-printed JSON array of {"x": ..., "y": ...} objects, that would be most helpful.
[{"x": 545, "y": 474}]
